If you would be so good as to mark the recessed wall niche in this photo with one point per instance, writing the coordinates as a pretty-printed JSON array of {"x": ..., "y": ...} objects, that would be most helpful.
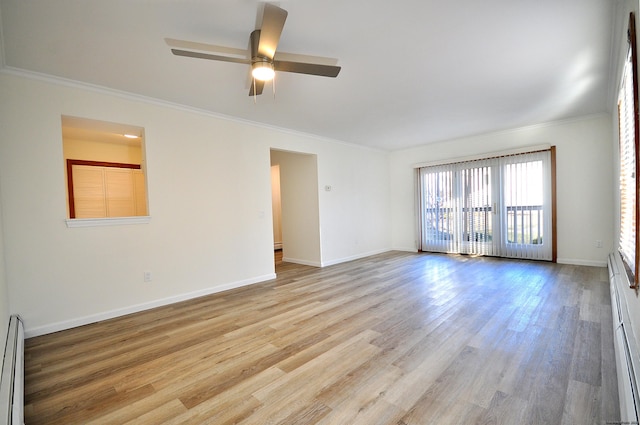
[{"x": 105, "y": 169}]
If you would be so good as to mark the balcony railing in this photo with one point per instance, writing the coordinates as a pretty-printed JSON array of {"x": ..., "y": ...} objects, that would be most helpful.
[{"x": 524, "y": 224}]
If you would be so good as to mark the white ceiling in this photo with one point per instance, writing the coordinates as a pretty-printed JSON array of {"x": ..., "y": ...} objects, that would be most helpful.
[{"x": 413, "y": 71}]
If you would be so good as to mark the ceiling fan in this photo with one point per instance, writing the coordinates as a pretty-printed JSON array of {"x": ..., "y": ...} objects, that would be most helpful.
[{"x": 262, "y": 55}]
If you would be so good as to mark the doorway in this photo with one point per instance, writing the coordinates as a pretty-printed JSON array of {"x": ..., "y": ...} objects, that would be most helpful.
[{"x": 296, "y": 216}]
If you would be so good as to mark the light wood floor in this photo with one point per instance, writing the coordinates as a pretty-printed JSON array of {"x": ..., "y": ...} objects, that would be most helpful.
[{"x": 396, "y": 338}]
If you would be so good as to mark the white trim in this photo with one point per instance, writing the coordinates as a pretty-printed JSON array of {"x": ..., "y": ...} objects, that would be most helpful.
[
  {"x": 23, "y": 73},
  {"x": 354, "y": 257},
  {"x": 303, "y": 262},
  {"x": 487, "y": 155},
  {"x": 108, "y": 221},
  {"x": 624, "y": 341},
  {"x": 404, "y": 249},
  {"x": 18, "y": 72},
  {"x": 338, "y": 260},
  {"x": 80, "y": 321},
  {"x": 578, "y": 262},
  {"x": 3, "y": 61}
]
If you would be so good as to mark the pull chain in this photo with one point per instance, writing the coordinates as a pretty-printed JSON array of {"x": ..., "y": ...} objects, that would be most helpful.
[{"x": 255, "y": 96}]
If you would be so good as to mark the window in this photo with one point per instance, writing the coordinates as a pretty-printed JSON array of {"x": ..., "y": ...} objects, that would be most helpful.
[
  {"x": 628, "y": 136},
  {"x": 496, "y": 206},
  {"x": 105, "y": 169}
]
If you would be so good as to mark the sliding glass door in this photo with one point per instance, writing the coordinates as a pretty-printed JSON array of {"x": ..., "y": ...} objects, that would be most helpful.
[
  {"x": 457, "y": 212},
  {"x": 438, "y": 221},
  {"x": 526, "y": 206},
  {"x": 497, "y": 206},
  {"x": 477, "y": 214}
]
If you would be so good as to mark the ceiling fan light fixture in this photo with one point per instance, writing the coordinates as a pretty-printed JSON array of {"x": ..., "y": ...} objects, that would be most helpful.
[
  {"x": 262, "y": 70},
  {"x": 263, "y": 43}
]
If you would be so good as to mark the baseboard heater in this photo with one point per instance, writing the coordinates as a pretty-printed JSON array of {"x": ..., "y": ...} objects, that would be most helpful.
[
  {"x": 624, "y": 342},
  {"x": 12, "y": 378}
]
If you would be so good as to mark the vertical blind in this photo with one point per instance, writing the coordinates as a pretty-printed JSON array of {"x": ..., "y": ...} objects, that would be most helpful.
[
  {"x": 494, "y": 206},
  {"x": 526, "y": 199},
  {"x": 477, "y": 209},
  {"x": 628, "y": 137},
  {"x": 627, "y": 122}
]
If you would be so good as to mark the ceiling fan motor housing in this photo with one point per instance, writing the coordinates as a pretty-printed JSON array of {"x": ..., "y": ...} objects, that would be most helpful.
[{"x": 261, "y": 67}]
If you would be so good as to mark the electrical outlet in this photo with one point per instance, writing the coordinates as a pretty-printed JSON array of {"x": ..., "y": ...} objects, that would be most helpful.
[
  {"x": 147, "y": 276},
  {"x": 598, "y": 244}
]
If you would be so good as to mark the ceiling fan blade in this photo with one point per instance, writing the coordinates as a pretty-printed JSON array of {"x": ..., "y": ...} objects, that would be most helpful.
[
  {"x": 295, "y": 57},
  {"x": 200, "y": 55},
  {"x": 272, "y": 23},
  {"x": 259, "y": 85},
  {"x": 192, "y": 45},
  {"x": 307, "y": 68}
]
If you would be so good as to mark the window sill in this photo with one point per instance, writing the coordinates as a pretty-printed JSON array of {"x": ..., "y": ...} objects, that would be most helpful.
[{"x": 114, "y": 221}]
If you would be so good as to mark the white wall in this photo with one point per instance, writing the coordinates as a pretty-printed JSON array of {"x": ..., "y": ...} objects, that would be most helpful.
[
  {"x": 355, "y": 215},
  {"x": 4, "y": 294},
  {"x": 584, "y": 181},
  {"x": 209, "y": 200}
]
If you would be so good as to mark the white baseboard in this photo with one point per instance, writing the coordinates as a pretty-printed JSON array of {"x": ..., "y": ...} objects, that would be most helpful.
[
  {"x": 404, "y": 249},
  {"x": 336, "y": 261},
  {"x": 354, "y": 257},
  {"x": 303, "y": 262},
  {"x": 577, "y": 262},
  {"x": 81, "y": 321}
]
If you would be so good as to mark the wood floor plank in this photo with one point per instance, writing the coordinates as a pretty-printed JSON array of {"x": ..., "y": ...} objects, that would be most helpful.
[
  {"x": 148, "y": 410},
  {"x": 521, "y": 373},
  {"x": 216, "y": 412},
  {"x": 379, "y": 413},
  {"x": 392, "y": 339},
  {"x": 582, "y": 405},
  {"x": 504, "y": 410},
  {"x": 587, "y": 354},
  {"x": 608, "y": 390},
  {"x": 231, "y": 406},
  {"x": 405, "y": 392},
  {"x": 334, "y": 364},
  {"x": 350, "y": 398},
  {"x": 548, "y": 398}
]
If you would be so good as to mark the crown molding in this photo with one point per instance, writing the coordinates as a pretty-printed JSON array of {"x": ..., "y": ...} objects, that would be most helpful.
[{"x": 52, "y": 79}]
